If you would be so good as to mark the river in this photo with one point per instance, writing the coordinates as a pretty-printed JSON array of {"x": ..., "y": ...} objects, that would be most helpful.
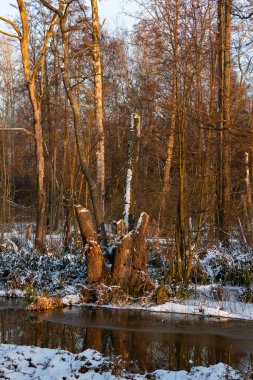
[{"x": 146, "y": 340}]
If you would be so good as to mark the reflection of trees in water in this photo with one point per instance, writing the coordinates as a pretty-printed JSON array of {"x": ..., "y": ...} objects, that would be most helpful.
[{"x": 145, "y": 350}]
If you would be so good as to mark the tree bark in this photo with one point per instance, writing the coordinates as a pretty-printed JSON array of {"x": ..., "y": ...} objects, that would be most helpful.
[
  {"x": 96, "y": 267},
  {"x": 87, "y": 229},
  {"x": 140, "y": 243},
  {"x": 122, "y": 264},
  {"x": 98, "y": 86}
]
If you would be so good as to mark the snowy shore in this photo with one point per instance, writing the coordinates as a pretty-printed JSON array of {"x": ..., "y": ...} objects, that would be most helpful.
[{"x": 30, "y": 363}]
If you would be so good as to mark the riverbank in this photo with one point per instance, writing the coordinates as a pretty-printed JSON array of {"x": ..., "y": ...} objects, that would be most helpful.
[
  {"x": 27, "y": 274},
  {"x": 27, "y": 362}
]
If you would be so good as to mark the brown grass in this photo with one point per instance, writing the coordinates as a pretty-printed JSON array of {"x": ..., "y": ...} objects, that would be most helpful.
[{"x": 45, "y": 303}]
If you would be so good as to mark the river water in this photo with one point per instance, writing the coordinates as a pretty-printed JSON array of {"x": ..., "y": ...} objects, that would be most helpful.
[{"x": 147, "y": 341}]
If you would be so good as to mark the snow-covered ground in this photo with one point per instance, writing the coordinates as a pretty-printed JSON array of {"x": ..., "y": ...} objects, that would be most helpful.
[
  {"x": 30, "y": 363},
  {"x": 23, "y": 271}
]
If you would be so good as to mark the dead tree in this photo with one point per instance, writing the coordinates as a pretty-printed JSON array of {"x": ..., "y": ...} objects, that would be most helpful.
[
  {"x": 122, "y": 263},
  {"x": 130, "y": 257},
  {"x": 96, "y": 266},
  {"x": 130, "y": 260}
]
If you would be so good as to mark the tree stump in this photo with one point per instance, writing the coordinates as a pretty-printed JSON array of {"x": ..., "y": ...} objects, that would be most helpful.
[
  {"x": 140, "y": 244},
  {"x": 121, "y": 229},
  {"x": 122, "y": 264},
  {"x": 96, "y": 266},
  {"x": 97, "y": 270},
  {"x": 130, "y": 259},
  {"x": 86, "y": 226}
]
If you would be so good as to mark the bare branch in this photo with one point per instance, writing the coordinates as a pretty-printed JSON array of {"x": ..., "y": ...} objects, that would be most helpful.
[
  {"x": 15, "y": 27},
  {"x": 49, "y": 6},
  {"x": 30, "y": 134},
  {"x": 10, "y": 35},
  {"x": 242, "y": 17},
  {"x": 44, "y": 47}
]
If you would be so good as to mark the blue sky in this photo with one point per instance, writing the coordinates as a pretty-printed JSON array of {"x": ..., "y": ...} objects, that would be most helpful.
[{"x": 111, "y": 10}]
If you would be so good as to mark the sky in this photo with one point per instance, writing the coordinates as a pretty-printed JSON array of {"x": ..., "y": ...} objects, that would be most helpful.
[{"x": 110, "y": 10}]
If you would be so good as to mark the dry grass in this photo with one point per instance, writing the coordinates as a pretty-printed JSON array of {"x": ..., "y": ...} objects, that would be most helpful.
[{"x": 45, "y": 303}]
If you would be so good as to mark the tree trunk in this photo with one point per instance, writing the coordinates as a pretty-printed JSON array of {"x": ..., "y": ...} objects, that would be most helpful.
[
  {"x": 122, "y": 263},
  {"x": 223, "y": 125},
  {"x": 134, "y": 141},
  {"x": 248, "y": 194},
  {"x": 41, "y": 207},
  {"x": 98, "y": 86},
  {"x": 35, "y": 98},
  {"x": 96, "y": 267},
  {"x": 173, "y": 109},
  {"x": 140, "y": 243},
  {"x": 87, "y": 229},
  {"x": 93, "y": 188}
]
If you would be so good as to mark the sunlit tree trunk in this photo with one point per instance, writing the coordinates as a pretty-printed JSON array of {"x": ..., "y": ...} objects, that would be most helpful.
[{"x": 98, "y": 87}]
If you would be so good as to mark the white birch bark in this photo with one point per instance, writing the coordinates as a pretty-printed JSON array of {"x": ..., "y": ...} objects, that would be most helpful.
[{"x": 134, "y": 138}]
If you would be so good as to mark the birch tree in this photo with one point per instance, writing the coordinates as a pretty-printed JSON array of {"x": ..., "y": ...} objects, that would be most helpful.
[{"x": 134, "y": 141}]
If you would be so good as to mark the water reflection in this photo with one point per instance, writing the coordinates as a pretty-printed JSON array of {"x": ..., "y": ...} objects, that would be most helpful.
[{"x": 146, "y": 340}]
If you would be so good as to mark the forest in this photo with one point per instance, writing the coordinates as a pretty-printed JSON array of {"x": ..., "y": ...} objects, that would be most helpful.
[
  {"x": 147, "y": 131},
  {"x": 126, "y": 184}
]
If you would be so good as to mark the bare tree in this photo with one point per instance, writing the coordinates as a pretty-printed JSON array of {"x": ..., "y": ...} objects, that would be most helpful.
[
  {"x": 62, "y": 13},
  {"x": 35, "y": 97}
]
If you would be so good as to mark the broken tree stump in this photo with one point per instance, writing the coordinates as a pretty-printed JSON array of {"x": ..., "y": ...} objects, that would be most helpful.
[
  {"x": 122, "y": 264},
  {"x": 140, "y": 243},
  {"x": 121, "y": 229},
  {"x": 140, "y": 280},
  {"x": 97, "y": 270},
  {"x": 130, "y": 258},
  {"x": 86, "y": 226}
]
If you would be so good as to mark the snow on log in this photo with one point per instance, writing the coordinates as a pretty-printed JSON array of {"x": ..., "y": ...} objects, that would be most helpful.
[{"x": 86, "y": 226}]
